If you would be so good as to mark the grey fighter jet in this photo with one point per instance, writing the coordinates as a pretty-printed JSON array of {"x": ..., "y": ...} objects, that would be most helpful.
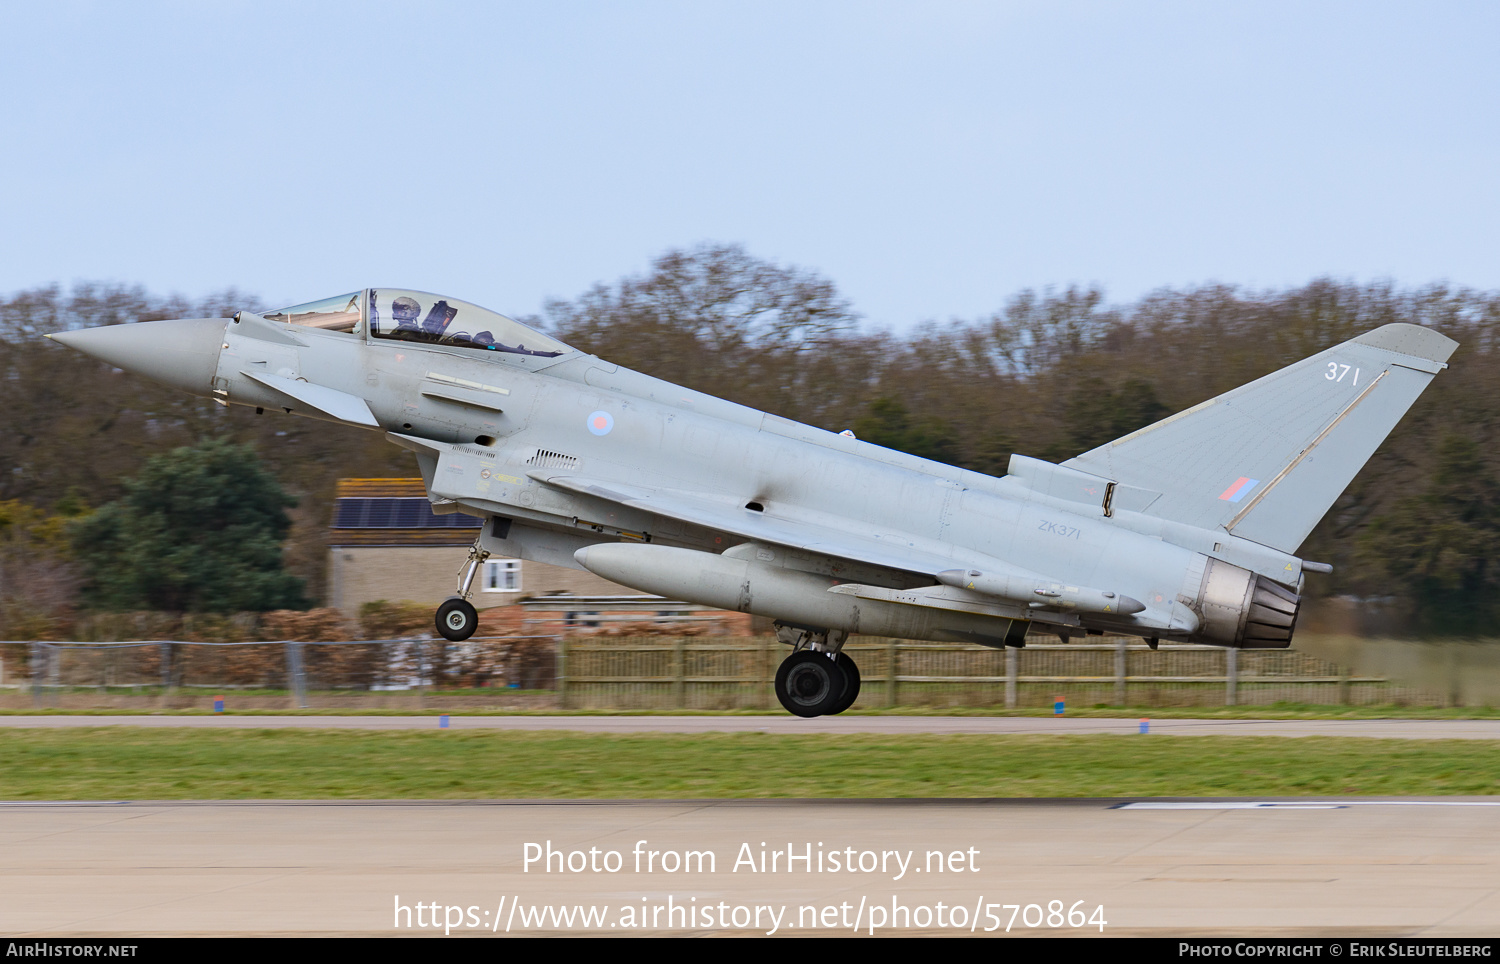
[{"x": 1185, "y": 530}]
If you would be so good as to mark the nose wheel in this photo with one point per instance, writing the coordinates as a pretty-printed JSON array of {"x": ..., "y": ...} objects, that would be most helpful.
[
  {"x": 811, "y": 683},
  {"x": 456, "y": 619}
]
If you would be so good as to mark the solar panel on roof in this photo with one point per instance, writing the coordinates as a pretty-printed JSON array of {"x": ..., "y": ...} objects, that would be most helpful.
[{"x": 363, "y": 513}]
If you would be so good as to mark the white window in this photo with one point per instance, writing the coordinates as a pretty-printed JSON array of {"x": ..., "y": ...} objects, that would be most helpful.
[{"x": 502, "y": 575}]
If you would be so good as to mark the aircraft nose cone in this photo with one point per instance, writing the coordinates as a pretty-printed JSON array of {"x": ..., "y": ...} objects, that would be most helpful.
[{"x": 183, "y": 353}]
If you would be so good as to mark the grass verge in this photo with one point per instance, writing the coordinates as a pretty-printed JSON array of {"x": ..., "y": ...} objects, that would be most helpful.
[{"x": 118, "y": 763}]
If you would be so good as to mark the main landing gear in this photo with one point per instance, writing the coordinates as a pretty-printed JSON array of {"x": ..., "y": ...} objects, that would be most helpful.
[
  {"x": 456, "y": 617},
  {"x": 818, "y": 678}
]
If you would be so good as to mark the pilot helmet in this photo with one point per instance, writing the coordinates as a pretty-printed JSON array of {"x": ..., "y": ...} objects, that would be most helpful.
[{"x": 405, "y": 310}]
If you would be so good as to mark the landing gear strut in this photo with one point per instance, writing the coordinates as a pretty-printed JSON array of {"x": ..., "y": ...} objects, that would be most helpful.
[
  {"x": 818, "y": 678},
  {"x": 456, "y": 617}
]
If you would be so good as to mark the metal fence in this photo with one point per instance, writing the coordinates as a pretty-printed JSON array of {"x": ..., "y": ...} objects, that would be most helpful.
[
  {"x": 84, "y": 674},
  {"x": 708, "y": 673}
]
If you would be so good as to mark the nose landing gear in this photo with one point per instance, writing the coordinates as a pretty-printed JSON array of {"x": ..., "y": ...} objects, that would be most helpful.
[{"x": 456, "y": 617}]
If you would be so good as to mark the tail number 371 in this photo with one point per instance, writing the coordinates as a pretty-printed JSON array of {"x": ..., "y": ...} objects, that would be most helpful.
[{"x": 1336, "y": 372}]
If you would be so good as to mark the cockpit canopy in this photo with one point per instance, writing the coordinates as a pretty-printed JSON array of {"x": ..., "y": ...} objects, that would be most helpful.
[
  {"x": 400, "y": 315},
  {"x": 339, "y": 313}
]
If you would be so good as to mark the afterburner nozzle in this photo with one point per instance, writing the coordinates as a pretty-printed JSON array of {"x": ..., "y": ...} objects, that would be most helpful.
[{"x": 183, "y": 353}]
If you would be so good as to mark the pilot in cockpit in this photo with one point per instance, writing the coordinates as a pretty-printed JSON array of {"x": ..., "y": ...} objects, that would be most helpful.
[{"x": 405, "y": 310}]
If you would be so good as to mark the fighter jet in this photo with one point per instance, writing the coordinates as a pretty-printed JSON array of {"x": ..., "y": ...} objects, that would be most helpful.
[{"x": 1185, "y": 530}]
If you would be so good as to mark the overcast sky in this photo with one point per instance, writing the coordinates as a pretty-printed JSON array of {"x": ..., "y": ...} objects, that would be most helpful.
[{"x": 930, "y": 158}]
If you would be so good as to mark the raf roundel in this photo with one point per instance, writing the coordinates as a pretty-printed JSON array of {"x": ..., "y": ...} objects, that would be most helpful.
[{"x": 601, "y": 423}]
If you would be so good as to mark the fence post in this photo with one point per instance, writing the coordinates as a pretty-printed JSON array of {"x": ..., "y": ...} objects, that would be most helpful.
[
  {"x": 562, "y": 672},
  {"x": 892, "y": 668},
  {"x": 1012, "y": 670},
  {"x": 1120, "y": 657},
  {"x": 166, "y": 674},
  {"x": 768, "y": 645},
  {"x": 35, "y": 661},
  {"x": 1231, "y": 675},
  {"x": 295, "y": 675},
  {"x": 1455, "y": 697},
  {"x": 679, "y": 670}
]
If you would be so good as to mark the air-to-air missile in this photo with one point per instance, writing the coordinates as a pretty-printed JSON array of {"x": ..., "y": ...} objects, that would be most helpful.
[{"x": 1185, "y": 530}]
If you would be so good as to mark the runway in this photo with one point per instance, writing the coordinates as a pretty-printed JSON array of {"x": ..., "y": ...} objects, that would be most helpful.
[
  {"x": 822, "y": 726},
  {"x": 1077, "y": 867}
]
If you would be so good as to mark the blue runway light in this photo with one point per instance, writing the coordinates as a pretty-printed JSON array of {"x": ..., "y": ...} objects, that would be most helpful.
[
  {"x": 1057, "y": 707},
  {"x": 443, "y": 721}
]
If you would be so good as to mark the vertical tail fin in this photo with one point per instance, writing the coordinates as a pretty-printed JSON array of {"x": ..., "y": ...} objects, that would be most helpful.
[{"x": 1267, "y": 460}]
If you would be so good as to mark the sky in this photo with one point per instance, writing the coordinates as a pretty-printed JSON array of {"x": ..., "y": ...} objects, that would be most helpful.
[{"x": 931, "y": 158}]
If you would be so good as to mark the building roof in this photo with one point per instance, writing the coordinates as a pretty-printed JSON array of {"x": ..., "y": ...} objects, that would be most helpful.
[
  {"x": 380, "y": 488},
  {"x": 394, "y": 512}
]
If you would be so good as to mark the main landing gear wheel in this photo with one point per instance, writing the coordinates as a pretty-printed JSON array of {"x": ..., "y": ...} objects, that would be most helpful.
[
  {"x": 809, "y": 683},
  {"x": 456, "y": 619},
  {"x": 851, "y": 685}
]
